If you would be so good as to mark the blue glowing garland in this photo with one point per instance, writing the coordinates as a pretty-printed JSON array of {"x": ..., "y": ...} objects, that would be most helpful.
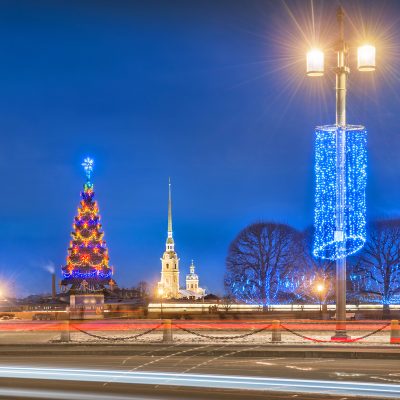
[{"x": 325, "y": 245}]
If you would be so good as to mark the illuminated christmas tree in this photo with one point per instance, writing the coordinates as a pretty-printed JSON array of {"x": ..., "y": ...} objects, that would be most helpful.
[{"x": 87, "y": 267}]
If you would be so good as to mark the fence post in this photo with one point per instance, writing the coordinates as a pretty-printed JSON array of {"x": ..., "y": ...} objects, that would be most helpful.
[
  {"x": 65, "y": 332},
  {"x": 167, "y": 331},
  {"x": 394, "y": 332},
  {"x": 276, "y": 332}
]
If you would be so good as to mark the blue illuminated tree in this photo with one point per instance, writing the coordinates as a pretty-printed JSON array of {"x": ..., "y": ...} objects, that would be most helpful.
[
  {"x": 259, "y": 263},
  {"x": 375, "y": 271}
]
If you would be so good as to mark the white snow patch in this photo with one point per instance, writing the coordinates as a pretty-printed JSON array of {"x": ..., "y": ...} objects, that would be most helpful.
[{"x": 299, "y": 368}]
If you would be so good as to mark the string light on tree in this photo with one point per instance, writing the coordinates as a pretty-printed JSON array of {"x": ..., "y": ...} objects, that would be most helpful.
[
  {"x": 88, "y": 164},
  {"x": 87, "y": 254}
]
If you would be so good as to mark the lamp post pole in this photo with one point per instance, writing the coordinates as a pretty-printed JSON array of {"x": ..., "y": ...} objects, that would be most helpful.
[
  {"x": 320, "y": 302},
  {"x": 161, "y": 295},
  {"x": 342, "y": 71},
  {"x": 320, "y": 291}
]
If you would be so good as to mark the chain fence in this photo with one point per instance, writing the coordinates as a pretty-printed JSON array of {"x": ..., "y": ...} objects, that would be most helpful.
[
  {"x": 335, "y": 341},
  {"x": 223, "y": 337},
  {"x": 233, "y": 337},
  {"x": 117, "y": 338}
]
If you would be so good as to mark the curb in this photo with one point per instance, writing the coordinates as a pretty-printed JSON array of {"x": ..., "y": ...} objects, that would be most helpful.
[{"x": 58, "y": 349}]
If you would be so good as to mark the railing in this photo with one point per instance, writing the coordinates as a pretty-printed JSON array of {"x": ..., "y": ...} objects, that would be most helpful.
[
  {"x": 293, "y": 331},
  {"x": 267, "y": 332}
]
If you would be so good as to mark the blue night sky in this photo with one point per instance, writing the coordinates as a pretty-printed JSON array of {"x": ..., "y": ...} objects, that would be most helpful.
[{"x": 210, "y": 93}]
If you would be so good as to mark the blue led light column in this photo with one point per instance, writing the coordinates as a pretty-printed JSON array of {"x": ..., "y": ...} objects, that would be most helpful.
[
  {"x": 340, "y": 203},
  {"x": 350, "y": 203}
]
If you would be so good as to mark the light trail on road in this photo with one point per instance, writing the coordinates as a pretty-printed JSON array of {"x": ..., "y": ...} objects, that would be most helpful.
[
  {"x": 63, "y": 395},
  {"x": 205, "y": 381}
]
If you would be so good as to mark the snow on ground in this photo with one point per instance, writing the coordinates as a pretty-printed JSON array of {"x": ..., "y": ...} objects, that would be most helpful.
[{"x": 260, "y": 338}]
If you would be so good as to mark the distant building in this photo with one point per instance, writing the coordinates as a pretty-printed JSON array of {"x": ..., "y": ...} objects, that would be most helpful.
[
  {"x": 168, "y": 287},
  {"x": 192, "y": 285}
]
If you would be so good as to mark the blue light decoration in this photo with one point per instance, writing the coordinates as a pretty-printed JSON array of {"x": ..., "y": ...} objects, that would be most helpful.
[
  {"x": 88, "y": 275},
  {"x": 326, "y": 245},
  {"x": 88, "y": 164},
  {"x": 369, "y": 286},
  {"x": 275, "y": 289}
]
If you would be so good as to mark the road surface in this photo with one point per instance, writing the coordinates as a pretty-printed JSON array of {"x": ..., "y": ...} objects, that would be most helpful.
[{"x": 194, "y": 372}]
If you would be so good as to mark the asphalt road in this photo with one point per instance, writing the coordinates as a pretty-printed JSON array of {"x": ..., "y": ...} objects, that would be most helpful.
[
  {"x": 60, "y": 390},
  {"x": 182, "y": 373}
]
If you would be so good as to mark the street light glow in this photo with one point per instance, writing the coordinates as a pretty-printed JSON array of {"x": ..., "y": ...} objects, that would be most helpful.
[
  {"x": 315, "y": 62},
  {"x": 366, "y": 58},
  {"x": 320, "y": 287}
]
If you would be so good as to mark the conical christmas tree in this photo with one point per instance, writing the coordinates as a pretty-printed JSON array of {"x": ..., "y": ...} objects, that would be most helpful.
[{"x": 87, "y": 267}]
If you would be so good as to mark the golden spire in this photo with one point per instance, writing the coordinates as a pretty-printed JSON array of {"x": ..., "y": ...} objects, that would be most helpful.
[{"x": 169, "y": 210}]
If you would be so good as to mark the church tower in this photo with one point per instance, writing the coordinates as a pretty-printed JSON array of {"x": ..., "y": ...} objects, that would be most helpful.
[
  {"x": 192, "y": 280},
  {"x": 168, "y": 287},
  {"x": 192, "y": 283}
]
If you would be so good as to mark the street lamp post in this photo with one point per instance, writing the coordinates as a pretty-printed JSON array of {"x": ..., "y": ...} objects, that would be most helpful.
[
  {"x": 161, "y": 294},
  {"x": 341, "y": 87},
  {"x": 320, "y": 290},
  {"x": 315, "y": 67}
]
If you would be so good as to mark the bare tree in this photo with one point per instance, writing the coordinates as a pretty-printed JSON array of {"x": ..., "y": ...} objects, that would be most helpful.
[
  {"x": 143, "y": 289},
  {"x": 259, "y": 263},
  {"x": 314, "y": 278},
  {"x": 227, "y": 302},
  {"x": 375, "y": 270}
]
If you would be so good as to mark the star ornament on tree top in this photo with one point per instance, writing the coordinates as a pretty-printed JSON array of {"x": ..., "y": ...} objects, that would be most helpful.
[{"x": 88, "y": 166}]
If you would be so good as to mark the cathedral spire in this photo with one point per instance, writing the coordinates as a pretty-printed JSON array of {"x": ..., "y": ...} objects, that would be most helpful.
[
  {"x": 170, "y": 240},
  {"x": 168, "y": 287},
  {"x": 169, "y": 209}
]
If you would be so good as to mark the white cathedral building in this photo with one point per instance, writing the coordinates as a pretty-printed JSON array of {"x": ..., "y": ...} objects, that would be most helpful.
[{"x": 168, "y": 287}]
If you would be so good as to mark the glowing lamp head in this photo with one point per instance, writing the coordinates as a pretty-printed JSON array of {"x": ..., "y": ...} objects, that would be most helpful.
[
  {"x": 366, "y": 58},
  {"x": 315, "y": 63},
  {"x": 160, "y": 292},
  {"x": 320, "y": 288}
]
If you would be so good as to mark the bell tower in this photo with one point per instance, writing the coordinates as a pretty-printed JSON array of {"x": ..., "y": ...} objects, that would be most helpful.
[{"x": 168, "y": 287}]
